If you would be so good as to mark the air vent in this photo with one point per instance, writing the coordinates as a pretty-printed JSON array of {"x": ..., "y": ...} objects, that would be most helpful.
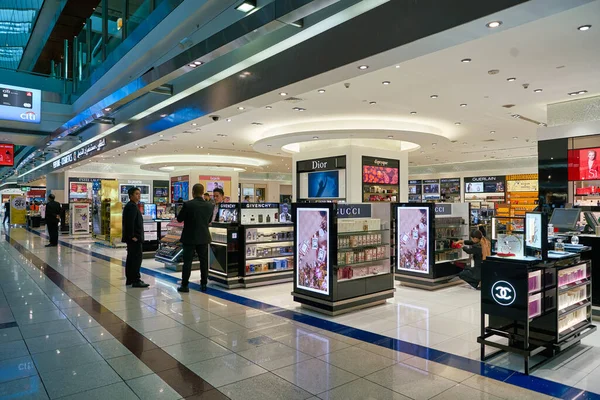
[
  {"x": 293, "y": 100},
  {"x": 508, "y": 105},
  {"x": 489, "y": 140},
  {"x": 256, "y": 123}
]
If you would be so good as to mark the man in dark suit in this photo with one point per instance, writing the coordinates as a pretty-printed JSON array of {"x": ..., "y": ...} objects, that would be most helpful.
[
  {"x": 196, "y": 215},
  {"x": 53, "y": 209},
  {"x": 133, "y": 235}
]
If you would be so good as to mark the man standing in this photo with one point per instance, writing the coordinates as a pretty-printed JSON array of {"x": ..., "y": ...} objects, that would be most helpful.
[
  {"x": 218, "y": 196},
  {"x": 53, "y": 210},
  {"x": 133, "y": 235},
  {"x": 6, "y": 212},
  {"x": 196, "y": 215}
]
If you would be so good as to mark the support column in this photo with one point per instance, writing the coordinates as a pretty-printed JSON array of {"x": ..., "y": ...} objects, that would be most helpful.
[{"x": 55, "y": 184}]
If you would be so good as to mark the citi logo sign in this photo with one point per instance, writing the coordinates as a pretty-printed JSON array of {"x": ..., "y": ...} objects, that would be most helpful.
[
  {"x": 28, "y": 116},
  {"x": 503, "y": 293}
]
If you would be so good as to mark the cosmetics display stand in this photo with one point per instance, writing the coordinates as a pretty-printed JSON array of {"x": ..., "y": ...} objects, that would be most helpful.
[
  {"x": 170, "y": 248},
  {"x": 537, "y": 307},
  {"x": 423, "y": 236},
  {"x": 342, "y": 256}
]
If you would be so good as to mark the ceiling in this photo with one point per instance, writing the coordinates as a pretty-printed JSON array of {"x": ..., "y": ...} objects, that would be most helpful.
[
  {"x": 550, "y": 54},
  {"x": 17, "y": 19}
]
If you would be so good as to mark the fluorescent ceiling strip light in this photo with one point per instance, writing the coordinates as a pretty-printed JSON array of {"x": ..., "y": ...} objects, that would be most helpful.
[{"x": 300, "y": 37}]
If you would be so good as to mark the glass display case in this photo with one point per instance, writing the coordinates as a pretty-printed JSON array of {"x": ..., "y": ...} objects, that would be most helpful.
[
  {"x": 342, "y": 256},
  {"x": 424, "y": 237},
  {"x": 170, "y": 249}
]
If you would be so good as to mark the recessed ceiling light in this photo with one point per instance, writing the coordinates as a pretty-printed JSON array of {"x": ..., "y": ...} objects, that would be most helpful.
[
  {"x": 298, "y": 109},
  {"x": 321, "y": 91},
  {"x": 584, "y": 27},
  {"x": 465, "y": 60},
  {"x": 434, "y": 96},
  {"x": 241, "y": 108},
  {"x": 457, "y": 123},
  {"x": 492, "y": 132},
  {"x": 221, "y": 135},
  {"x": 315, "y": 137},
  {"x": 268, "y": 145},
  {"x": 163, "y": 115},
  {"x": 268, "y": 107},
  {"x": 515, "y": 137},
  {"x": 198, "y": 62},
  {"x": 194, "y": 124},
  {"x": 192, "y": 65},
  {"x": 283, "y": 94},
  {"x": 363, "y": 67},
  {"x": 107, "y": 109},
  {"x": 397, "y": 66},
  {"x": 390, "y": 137},
  {"x": 228, "y": 120},
  {"x": 246, "y": 6},
  {"x": 463, "y": 105},
  {"x": 413, "y": 112},
  {"x": 537, "y": 91},
  {"x": 161, "y": 135},
  {"x": 582, "y": 92},
  {"x": 386, "y": 82},
  {"x": 372, "y": 103},
  {"x": 511, "y": 79},
  {"x": 493, "y": 24}
]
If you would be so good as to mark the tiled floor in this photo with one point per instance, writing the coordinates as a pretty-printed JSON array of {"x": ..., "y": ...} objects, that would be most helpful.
[{"x": 69, "y": 328}]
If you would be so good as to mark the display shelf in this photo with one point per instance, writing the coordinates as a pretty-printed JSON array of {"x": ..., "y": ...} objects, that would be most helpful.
[
  {"x": 362, "y": 277},
  {"x": 356, "y": 264},
  {"x": 363, "y": 232},
  {"x": 366, "y": 246},
  {"x": 574, "y": 285},
  {"x": 269, "y": 257},
  {"x": 271, "y": 241},
  {"x": 269, "y": 271},
  {"x": 546, "y": 322}
]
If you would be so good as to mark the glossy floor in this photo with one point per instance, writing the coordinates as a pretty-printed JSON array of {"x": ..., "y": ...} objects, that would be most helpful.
[{"x": 70, "y": 329}]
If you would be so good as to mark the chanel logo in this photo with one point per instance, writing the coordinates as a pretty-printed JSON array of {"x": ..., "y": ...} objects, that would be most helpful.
[{"x": 503, "y": 293}]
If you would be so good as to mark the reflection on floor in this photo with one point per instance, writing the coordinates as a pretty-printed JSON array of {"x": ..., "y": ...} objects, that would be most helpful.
[{"x": 80, "y": 339}]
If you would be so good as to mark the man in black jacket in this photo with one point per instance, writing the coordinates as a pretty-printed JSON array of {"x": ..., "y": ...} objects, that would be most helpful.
[
  {"x": 196, "y": 215},
  {"x": 53, "y": 209},
  {"x": 133, "y": 235}
]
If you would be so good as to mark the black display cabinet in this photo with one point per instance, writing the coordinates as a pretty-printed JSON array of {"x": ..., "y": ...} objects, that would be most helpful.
[
  {"x": 225, "y": 255},
  {"x": 342, "y": 256},
  {"x": 416, "y": 261},
  {"x": 537, "y": 307}
]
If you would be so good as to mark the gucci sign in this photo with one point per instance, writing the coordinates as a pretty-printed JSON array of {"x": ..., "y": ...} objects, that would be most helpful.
[{"x": 503, "y": 293}]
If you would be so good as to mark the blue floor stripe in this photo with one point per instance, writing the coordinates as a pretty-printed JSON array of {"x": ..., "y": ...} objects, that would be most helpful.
[{"x": 506, "y": 375}]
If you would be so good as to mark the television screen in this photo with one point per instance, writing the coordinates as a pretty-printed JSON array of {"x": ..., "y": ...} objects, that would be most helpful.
[
  {"x": 474, "y": 187},
  {"x": 228, "y": 213},
  {"x": 493, "y": 187},
  {"x": 78, "y": 191},
  {"x": 150, "y": 209},
  {"x": 380, "y": 175},
  {"x": 285, "y": 215},
  {"x": 7, "y": 155},
  {"x": 431, "y": 188},
  {"x": 413, "y": 233},
  {"x": 323, "y": 184},
  {"x": 180, "y": 190},
  {"x": 312, "y": 239},
  {"x": 161, "y": 192},
  {"x": 584, "y": 164}
]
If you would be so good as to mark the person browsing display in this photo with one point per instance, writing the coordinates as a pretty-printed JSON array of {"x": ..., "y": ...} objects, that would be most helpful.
[{"x": 196, "y": 215}]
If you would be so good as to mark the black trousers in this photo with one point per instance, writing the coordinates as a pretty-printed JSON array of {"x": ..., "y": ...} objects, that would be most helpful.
[
  {"x": 188, "y": 257},
  {"x": 53, "y": 232},
  {"x": 471, "y": 275},
  {"x": 6, "y": 217},
  {"x": 133, "y": 262}
]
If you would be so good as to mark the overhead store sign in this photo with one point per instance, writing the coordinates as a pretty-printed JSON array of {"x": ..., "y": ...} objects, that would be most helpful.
[
  {"x": 84, "y": 152},
  {"x": 20, "y": 104}
]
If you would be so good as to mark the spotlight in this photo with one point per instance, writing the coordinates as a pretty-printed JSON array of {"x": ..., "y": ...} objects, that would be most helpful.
[
  {"x": 493, "y": 24},
  {"x": 246, "y": 6}
]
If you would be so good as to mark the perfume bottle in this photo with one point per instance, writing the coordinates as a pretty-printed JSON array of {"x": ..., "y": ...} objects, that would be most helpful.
[
  {"x": 315, "y": 242},
  {"x": 268, "y": 219},
  {"x": 252, "y": 218},
  {"x": 260, "y": 218}
]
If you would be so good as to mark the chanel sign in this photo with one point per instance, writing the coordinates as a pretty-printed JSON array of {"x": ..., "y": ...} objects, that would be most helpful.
[{"x": 503, "y": 293}]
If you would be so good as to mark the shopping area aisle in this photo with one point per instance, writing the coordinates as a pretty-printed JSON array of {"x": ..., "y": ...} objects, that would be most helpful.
[{"x": 71, "y": 329}]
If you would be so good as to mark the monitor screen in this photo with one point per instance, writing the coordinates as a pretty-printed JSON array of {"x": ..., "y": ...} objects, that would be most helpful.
[
  {"x": 583, "y": 164},
  {"x": 7, "y": 154},
  {"x": 565, "y": 218},
  {"x": 323, "y": 184},
  {"x": 380, "y": 175},
  {"x": 20, "y": 104},
  {"x": 533, "y": 230}
]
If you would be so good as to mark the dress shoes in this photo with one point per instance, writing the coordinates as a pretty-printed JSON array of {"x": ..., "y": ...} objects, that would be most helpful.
[
  {"x": 51, "y": 245},
  {"x": 140, "y": 284},
  {"x": 203, "y": 287},
  {"x": 183, "y": 289}
]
